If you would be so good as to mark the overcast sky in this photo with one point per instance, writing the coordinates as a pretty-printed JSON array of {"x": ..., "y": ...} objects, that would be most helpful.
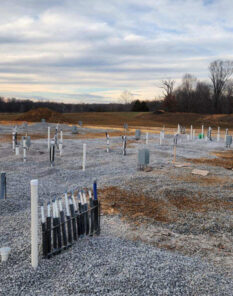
[{"x": 93, "y": 50}]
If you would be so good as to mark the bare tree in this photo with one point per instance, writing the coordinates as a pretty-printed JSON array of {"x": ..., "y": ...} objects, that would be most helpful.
[
  {"x": 168, "y": 87},
  {"x": 189, "y": 82},
  {"x": 220, "y": 72},
  {"x": 228, "y": 90},
  {"x": 126, "y": 97}
]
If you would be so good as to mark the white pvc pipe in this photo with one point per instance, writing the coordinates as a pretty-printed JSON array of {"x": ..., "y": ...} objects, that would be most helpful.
[
  {"x": 226, "y": 134},
  {"x": 67, "y": 205},
  {"x": 34, "y": 223},
  {"x": 202, "y": 129},
  {"x": 5, "y": 251},
  {"x": 108, "y": 143},
  {"x": 61, "y": 137},
  {"x": 84, "y": 156},
  {"x": 17, "y": 150},
  {"x": 160, "y": 138},
  {"x": 218, "y": 135},
  {"x": 191, "y": 132},
  {"x": 13, "y": 141},
  {"x": 48, "y": 137},
  {"x": 60, "y": 148},
  {"x": 147, "y": 138}
]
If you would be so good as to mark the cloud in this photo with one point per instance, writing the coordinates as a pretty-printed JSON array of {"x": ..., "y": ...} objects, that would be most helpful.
[{"x": 62, "y": 48}]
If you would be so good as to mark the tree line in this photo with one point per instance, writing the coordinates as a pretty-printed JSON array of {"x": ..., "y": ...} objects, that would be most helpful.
[{"x": 215, "y": 96}]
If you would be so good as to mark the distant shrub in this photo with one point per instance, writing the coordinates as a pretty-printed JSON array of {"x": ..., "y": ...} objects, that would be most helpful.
[{"x": 139, "y": 106}]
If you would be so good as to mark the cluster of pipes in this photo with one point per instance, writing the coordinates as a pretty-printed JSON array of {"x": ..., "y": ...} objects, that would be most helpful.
[
  {"x": 60, "y": 228},
  {"x": 26, "y": 142},
  {"x": 54, "y": 143},
  {"x": 208, "y": 136}
]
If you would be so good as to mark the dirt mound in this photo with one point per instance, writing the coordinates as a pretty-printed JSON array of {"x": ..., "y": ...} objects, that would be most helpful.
[{"x": 35, "y": 115}]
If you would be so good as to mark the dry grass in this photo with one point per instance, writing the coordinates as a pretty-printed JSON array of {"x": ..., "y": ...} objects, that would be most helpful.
[
  {"x": 132, "y": 206},
  {"x": 139, "y": 208},
  {"x": 224, "y": 159},
  {"x": 203, "y": 181},
  {"x": 134, "y": 119}
]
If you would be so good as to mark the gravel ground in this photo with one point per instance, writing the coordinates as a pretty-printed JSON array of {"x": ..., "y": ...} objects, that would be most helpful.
[{"x": 111, "y": 264}]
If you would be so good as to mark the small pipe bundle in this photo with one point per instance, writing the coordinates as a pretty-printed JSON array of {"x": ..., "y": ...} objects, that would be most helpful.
[{"x": 61, "y": 229}]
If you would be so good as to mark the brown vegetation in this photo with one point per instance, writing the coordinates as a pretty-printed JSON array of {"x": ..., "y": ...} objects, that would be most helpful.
[
  {"x": 117, "y": 119},
  {"x": 224, "y": 159},
  {"x": 203, "y": 181},
  {"x": 35, "y": 115},
  {"x": 139, "y": 208}
]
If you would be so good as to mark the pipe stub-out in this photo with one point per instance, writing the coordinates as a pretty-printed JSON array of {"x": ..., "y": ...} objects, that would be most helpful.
[{"x": 5, "y": 251}]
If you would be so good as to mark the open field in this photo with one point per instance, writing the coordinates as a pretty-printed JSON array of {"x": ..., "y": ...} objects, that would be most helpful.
[
  {"x": 136, "y": 119},
  {"x": 165, "y": 231}
]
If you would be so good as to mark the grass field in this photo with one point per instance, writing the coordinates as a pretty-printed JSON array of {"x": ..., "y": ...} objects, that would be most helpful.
[{"x": 140, "y": 119}]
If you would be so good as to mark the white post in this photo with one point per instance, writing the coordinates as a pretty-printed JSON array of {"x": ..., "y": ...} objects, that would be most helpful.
[
  {"x": 161, "y": 138},
  {"x": 178, "y": 129},
  {"x": 17, "y": 150},
  {"x": 48, "y": 137},
  {"x": 108, "y": 143},
  {"x": 34, "y": 223},
  {"x": 202, "y": 130},
  {"x": 84, "y": 156},
  {"x": 191, "y": 132},
  {"x": 60, "y": 148},
  {"x": 61, "y": 137},
  {"x": 218, "y": 135},
  {"x": 147, "y": 138},
  {"x": 226, "y": 134},
  {"x": 24, "y": 150},
  {"x": 13, "y": 141}
]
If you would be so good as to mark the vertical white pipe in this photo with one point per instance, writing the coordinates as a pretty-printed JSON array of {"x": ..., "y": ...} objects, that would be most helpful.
[
  {"x": 48, "y": 137},
  {"x": 13, "y": 141},
  {"x": 60, "y": 148},
  {"x": 108, "y": 142},
  {"x": 84, "y": 156},
  {"x": 17, "y": 150},
  {"x": 191, "y": 132},
  {"x": 34, "y": 223},
  {"x": 147, "y": 138},
  {"x": 202, "y": 130},
  {"x": 160, "y": 138},
  {"x": 178, "y": 129},
  {"x": 61, "y": 137},
  {"x": 218, "y": 135}
]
